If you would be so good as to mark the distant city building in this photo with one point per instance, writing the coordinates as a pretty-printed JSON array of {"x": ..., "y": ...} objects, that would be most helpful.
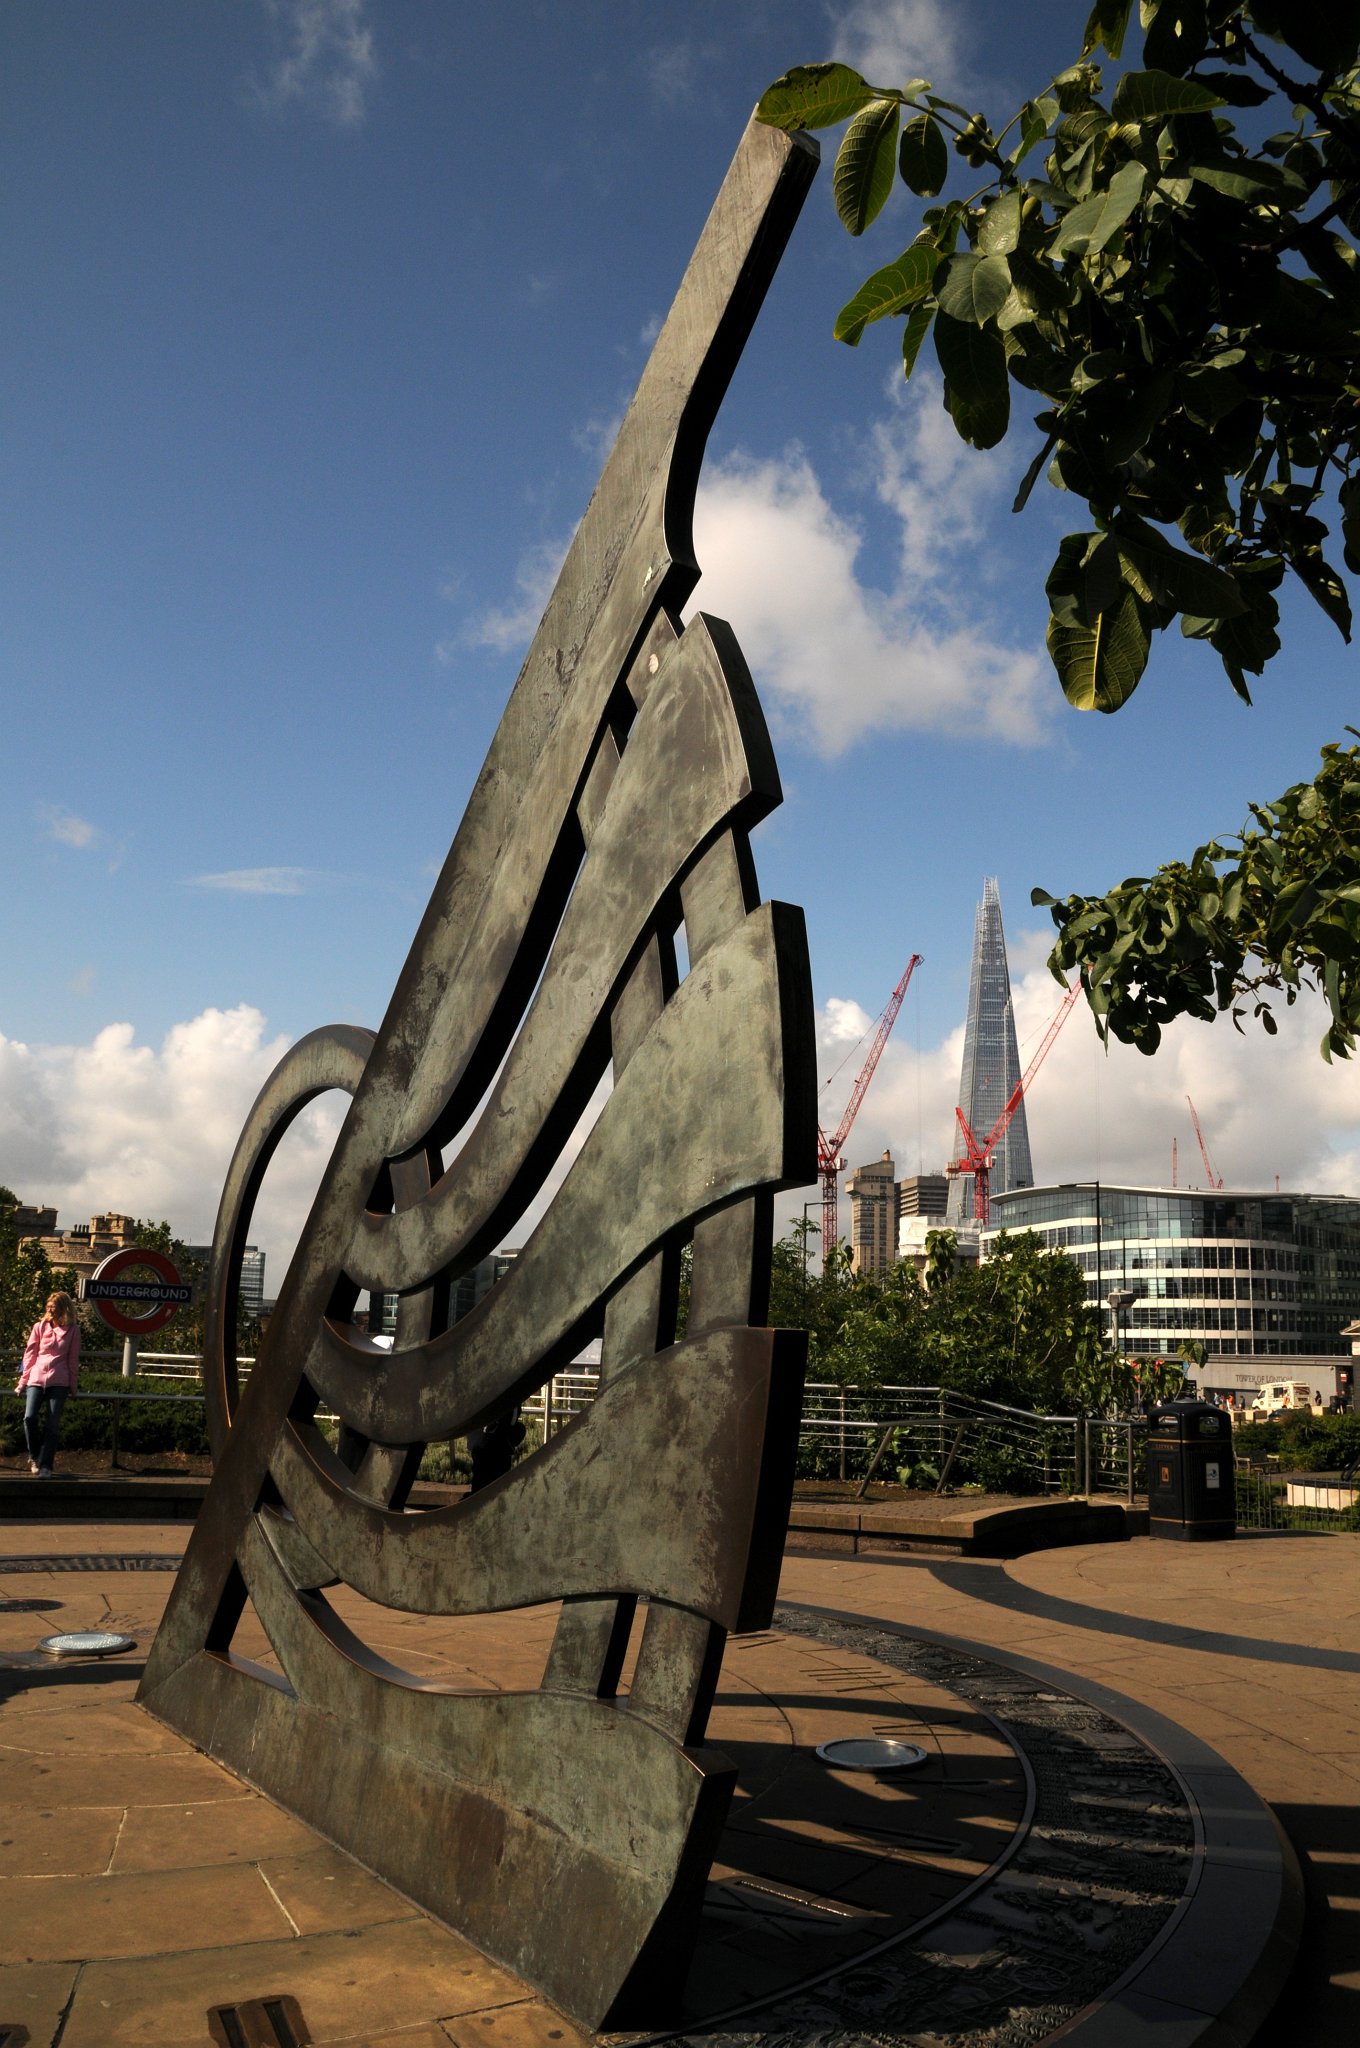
[
  {"x": 873, "y": 1215},
  {"x": 1253, "y": 1277},
  {"x": 991, "y": 1062},
  {"x": 469, "y": 1289},
  {"x": 923, "y": 1194},
  {"x": 252, "y": 1274},
  {"x": 915, "y": 1232},
  {"x": 83, "y": 1246}
]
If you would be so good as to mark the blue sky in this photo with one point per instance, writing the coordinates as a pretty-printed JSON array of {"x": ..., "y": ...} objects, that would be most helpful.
[{"x": 320, "y": 315}]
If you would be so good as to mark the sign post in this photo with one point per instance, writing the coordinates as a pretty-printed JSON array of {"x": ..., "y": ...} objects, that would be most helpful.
[{"x": 136, "y": 1291}]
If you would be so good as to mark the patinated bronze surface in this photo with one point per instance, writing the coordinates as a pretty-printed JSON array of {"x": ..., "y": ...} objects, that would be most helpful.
[{"x": 568, "y": 1830}]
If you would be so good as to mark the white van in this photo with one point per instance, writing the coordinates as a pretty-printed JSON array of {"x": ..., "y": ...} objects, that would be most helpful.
[{"x": 1279, "y": 1395}]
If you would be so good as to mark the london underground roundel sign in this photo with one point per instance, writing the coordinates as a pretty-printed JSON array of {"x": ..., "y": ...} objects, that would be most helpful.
[{"x": 129, "y": 1298}]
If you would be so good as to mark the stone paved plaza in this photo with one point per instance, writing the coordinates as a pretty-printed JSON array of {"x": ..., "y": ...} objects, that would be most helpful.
[{"x": 1083, "y": 1852}]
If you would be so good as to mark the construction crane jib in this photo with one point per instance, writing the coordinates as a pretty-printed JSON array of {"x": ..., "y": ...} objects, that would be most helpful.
[
  {"x": 978, "y": 1153},
  {"x": 1215, "y": 1179},
  {"x": 830, "y": 1159}
]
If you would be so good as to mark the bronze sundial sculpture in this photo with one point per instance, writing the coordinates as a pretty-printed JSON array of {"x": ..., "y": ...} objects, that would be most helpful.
[{"x": 566, "y": 1831}]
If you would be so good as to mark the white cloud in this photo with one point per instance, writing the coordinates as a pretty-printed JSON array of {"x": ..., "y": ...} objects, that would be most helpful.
[
  {"x": 325, "y": 59},
  {"x": 260, "y": 881},
  {"x": 597, "y": 435},
  {"x": 69, "y": 830},
  {"x": 149, "y": 1131},
  {"x": 838, "y": 657},
  {"x": 510, "y": 630},
  {"x": 673, "y": 71},
  {"x": 890, "y": 41}
]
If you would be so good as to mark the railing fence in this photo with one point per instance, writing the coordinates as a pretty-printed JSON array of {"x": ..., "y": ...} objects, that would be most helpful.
[{"x": 927, "y": 1438}]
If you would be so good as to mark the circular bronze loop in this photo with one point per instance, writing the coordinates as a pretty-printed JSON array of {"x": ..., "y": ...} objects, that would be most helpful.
[{"x": 333, "y": 1057}]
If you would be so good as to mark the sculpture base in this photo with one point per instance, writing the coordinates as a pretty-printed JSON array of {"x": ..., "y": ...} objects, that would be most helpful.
[{"x": 540, "y": 1880}]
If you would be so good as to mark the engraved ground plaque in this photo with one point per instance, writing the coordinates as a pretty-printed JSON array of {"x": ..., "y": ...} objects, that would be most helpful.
[{"x": 567, "y": 1830}]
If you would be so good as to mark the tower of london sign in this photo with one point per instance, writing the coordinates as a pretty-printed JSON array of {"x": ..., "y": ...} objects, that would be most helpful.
[{"x": 567, "y": 1830}]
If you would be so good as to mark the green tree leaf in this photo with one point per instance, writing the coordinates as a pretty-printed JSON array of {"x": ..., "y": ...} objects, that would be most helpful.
[
  {"x": 890, "y": 290},
  {"x": 1108, "y": 23},
  {"x": 813, "y": 96},
  {"x": 1146, "y": 97},
  {"x": 1088, "y": 227},
  {"x": 999, "y": 230},
  {"x": 1185, "y": 582},
  {"x": 974, "y": 287},
  {"x": 1254, "y": 182},
  {"x": 1324, "y": 34},
  {"x": 1321, "y": 580},
  {"x": 976, "y": 387},
  {"x": 1350, "y": 523},
  {"x": 1176, "y": 37},
  {"x": 1036, "y": 117},
  {"x": 866, "y": 164},
  {"x": 924, "y": 156},
  {"x": 1100, "y": 666},
  {"x": 918, "y": 321}
]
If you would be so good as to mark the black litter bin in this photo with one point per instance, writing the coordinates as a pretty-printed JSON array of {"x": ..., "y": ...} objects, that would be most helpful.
[{"x": 1191, "y": 1494}]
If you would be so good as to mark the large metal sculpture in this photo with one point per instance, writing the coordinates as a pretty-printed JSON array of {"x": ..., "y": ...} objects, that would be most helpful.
[{"x": 568, "y": 1830}]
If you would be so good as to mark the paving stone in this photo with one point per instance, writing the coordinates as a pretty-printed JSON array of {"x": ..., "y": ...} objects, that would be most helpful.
[
  {"x": 176, "y": 1778},
  {"x": 530, "y": 2024},
  {"x": 325, "y": 1891},
  {"x": 58, "y": 1841},
  {"x": 349, "y": 1987},
  {"x": 432, "y": 2035},
  {"x": 243, "y": 1829},
  {"x": 153, "y": 1912},
  {"x": 99, "y": 1726},
  {"x": 35, "y": 1995}
]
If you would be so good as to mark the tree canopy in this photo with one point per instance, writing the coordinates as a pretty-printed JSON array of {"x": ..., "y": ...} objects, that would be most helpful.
[
  {"x": 1017, "y": 1329},
  {"x": 1170, "y": 269}
]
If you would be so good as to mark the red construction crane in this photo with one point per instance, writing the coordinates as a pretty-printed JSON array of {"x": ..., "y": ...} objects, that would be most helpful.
[
  {"x": 829, "y": 1156},
  {"x": 1215, "y": 1180},
  {"x": 977, "y": 1158}
]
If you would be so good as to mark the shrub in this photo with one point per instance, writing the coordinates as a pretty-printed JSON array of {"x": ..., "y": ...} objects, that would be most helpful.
[{"x": 147, "y": 1424}]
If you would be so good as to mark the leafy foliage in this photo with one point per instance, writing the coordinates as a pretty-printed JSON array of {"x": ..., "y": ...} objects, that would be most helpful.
[
  {"x": 150, "y": 1423},
  {"x": 27, "y": 1278},
  {"x": 1016, "y": 1329},
  {"x": 1276, "y": 909},
  {"x": 1171, "y": 269},
  {"x": 1181, "y": 299},
  {"x": 1302, "y": 1441}
]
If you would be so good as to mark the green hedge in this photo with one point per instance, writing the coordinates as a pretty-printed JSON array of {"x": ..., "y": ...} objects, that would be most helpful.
[
  {"x": 146, "y": 1424},
  {"x": 1303, "y": 1442}
]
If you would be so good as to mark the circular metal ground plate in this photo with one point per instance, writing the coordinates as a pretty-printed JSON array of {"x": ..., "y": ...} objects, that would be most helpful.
[
  {"x": 89, "y": 1642},
  {"x": 863, "y": 1753}
]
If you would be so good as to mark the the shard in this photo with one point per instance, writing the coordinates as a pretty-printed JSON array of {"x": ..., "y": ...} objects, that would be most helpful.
[{"x": 991, "y": 1062}]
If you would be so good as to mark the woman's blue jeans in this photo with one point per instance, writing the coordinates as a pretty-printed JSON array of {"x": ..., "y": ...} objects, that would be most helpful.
[{"x": 42, "y": 1444}]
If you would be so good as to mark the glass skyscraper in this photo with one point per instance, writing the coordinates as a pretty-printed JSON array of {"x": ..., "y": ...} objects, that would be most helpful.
[{"x": 991, "y": 1063}]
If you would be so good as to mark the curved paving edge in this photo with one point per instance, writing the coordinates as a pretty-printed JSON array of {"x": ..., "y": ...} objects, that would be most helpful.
[{"x": 1211, "y": 1977}]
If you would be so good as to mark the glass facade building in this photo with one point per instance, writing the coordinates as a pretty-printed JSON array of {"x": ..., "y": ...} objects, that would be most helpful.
[
  {"x": 1250, "y": 1276},
  {"x": 991, "y": 1062}
]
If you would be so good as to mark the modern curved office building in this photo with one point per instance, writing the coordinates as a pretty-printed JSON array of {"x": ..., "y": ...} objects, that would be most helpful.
[{"x": 1253, "y": 1277}]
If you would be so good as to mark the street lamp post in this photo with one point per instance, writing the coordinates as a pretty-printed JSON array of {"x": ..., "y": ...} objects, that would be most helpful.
[{"x": 1121, "y": 1299}]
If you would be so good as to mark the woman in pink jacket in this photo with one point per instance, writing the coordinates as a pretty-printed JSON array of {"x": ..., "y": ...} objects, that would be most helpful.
[{"x": 51, "y": 1365}]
